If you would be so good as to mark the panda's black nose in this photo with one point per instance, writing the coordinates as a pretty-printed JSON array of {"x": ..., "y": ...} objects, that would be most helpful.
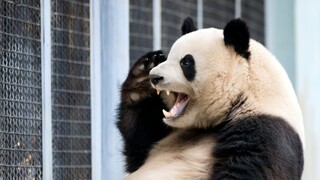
[{"x": 155, "y": 79}]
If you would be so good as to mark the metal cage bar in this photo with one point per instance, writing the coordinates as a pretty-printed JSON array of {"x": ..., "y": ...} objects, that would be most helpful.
[
  {"x": 156, "y": 17},
  {"x": 46, "y": 89},
  {"x": 95, "y": 73}
]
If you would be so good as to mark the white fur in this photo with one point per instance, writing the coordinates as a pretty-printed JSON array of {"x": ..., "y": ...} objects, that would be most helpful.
[{"x": 169, "y": 160}]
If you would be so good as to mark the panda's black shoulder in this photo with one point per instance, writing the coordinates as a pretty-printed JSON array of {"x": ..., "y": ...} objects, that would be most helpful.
[{"x": 257, "y": 147}]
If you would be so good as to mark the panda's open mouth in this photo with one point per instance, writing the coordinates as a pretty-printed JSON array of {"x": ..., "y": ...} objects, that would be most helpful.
[{"x": 179, "y": 106}]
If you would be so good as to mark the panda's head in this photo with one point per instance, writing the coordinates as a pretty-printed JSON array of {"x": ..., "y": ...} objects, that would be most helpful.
[{"x": 212, "y": 75}]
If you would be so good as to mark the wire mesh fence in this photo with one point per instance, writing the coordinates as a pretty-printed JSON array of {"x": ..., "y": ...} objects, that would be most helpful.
[
  {"x": 217, "y": 13},
  {"x": 173, "y": 14},
  {"x": 253, "y": 13},
  {"x": 141, "y": 38},
  {"x": 71, "y": 89},
  {"x": 20, "y": 90}
]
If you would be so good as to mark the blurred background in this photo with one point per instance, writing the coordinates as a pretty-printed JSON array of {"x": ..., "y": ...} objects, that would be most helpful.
[{"x": 62, "y": 63}]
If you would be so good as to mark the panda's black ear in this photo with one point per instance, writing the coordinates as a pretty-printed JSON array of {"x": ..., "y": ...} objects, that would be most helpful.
[
  {"x": 236, "y": 34},
  {"x": 188, "y": 26}
]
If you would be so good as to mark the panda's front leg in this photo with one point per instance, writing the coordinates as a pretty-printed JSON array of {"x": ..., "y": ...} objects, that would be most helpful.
[{"x": 140, "y": 112}]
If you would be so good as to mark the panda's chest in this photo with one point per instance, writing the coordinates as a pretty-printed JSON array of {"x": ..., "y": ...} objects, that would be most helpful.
[{"x": 178, "y": 157}]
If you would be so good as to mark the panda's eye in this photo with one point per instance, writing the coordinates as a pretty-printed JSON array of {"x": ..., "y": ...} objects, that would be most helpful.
[
  {"x": 188, "y": 67},
  {"x": 185, "y": 62}
]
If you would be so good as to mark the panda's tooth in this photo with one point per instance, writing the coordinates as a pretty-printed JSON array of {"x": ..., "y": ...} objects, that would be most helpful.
[
  {"x": 158, "y": 91},
  {"x": 168, "y": 92},
  {"x": 166, "y": 114}
]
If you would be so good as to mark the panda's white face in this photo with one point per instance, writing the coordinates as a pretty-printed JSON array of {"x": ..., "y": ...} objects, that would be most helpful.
[
  {"x": 200, "y": 75},
  {"x": 213, "y": 74}
]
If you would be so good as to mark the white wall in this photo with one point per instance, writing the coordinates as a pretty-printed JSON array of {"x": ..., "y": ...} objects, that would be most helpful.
[
  {"x": 280, "y": 32},
  {"x": 307, "y": 25}
]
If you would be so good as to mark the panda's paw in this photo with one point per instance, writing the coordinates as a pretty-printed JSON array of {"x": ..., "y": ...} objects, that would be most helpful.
[
  {"x": 148, "y": 61},
  {"x": 137, "y": 85}
]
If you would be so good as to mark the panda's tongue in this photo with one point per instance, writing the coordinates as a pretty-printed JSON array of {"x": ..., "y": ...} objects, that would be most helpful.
[{"x": 180, "y": 104}]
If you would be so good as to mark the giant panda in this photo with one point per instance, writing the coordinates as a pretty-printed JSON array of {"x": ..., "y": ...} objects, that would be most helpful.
[{"x": 220, "y": 106}]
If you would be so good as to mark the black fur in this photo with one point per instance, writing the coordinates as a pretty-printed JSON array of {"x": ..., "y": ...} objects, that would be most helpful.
[
  {"x": 140, "y": 122},
  {"x": 141, "y": 126},
  {"x": 257, "y": 147},
  {"x": 188, "y": 26},
  {"x": 236, "y": 34},
  {"x": 187, "y": 64}
]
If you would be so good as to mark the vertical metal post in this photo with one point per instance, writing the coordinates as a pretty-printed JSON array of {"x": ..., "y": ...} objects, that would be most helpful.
[
  {"x": 156, "y": 15},
  {"x": 115, "y": 66},
  {"x": 46, "y": 89},
  {"x": 200, "y": 14},
  {"x": 95, "y": 74},
  {"x": 109, "y": 44},
  {"x": 238, "y": 9}
]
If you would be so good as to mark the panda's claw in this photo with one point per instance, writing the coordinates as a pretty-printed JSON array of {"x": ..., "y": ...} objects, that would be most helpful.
[
  {"x": 159, "y": 58},
  {"x": 154, "y": 56},
  {"x": 151, "y": 65}
]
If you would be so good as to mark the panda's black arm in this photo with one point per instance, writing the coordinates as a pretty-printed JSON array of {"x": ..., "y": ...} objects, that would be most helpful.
[
  {"x": 140, "y": 112},
  {"x": 141, "y": 126},
  {"x": 259, "y": 147}
]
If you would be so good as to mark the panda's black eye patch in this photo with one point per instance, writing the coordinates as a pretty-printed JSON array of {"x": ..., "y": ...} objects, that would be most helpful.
[{"x": 187, "y": 64}]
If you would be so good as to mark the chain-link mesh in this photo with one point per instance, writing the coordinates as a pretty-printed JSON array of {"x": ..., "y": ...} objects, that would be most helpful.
[
  {"x": 173, "y": 13},
  {"x": 20, "y": 90},
  {"x": 71, "y": 89},
  {"x": 217, "y": 13},
  {"x": 140, "y": 28},
  {"x": 253, "y": 13}
]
